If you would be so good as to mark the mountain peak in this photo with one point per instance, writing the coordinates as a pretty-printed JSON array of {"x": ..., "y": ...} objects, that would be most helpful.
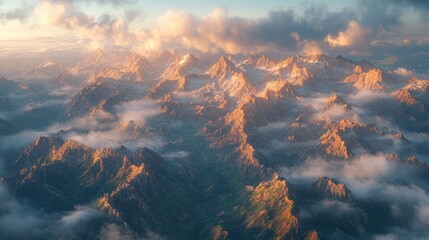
[
  {"x": 131, "y": 128},
  {"x": 38, "y": 148},
  {"x": 278, "y": 89},
  {"x": 372, "y": 79},
  {"x": 325, "y": 187},
  {"x": 137, "y": 60},
  {"x": 187, "y": 58},
  {"x": 405, "y": 96},
  {"x": 287, "y": 63},
  {"x": 314, "y": 58},
  {"x": 260, "y": 62},
  {"x": 346, "y": 123},
  {"x": 222, "y": 68},
  {"x": 163, "y": 57},
  {"x": 416, "y": 84},
  {"x": 336, "y": 100},
  {"x": 225, "y": 62},
  {"x": 182, "y": 66},
  {"x": 47, "y": 141}
]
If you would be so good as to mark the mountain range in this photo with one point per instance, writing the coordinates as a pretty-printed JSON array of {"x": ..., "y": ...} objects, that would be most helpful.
[{"x": 177, "y": 145}]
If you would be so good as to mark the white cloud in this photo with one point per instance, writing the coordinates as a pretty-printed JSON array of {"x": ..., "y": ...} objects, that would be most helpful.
[
  {"x": 109, "y": 32},
  {"x": 354, "y": 35},
  {"x": 403, "y": 72},
  {"x": 307, "y": 47},
  {"x": 212, "y": 33},
  {"x": 138, "y": 110}
]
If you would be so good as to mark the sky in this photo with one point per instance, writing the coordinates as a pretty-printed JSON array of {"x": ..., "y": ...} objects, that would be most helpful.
[{"x": 359, "y": 28}]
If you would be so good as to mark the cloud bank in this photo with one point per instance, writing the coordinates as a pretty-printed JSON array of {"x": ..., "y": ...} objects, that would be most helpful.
[{"x": 312, "y": 30}]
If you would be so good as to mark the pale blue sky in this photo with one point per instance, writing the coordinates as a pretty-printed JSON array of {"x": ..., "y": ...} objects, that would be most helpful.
[{"x": 153, "y": 9}]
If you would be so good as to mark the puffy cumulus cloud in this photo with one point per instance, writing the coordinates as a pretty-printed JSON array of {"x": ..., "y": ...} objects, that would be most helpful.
[
  {"x": 60, "y": 14},
  {"x": 308, "y": 31},
  {"x": 403, "y": 72},
  {"x": 354, "y": 35},
  {"x": 320, "y": 30},
  {"x": 316, "y": 30},
  {"x": 307, "y": 47},
  {"x": 312, "y": 24},
  {"x": 212, "y": 33},
  {"x": 310, "y": 47},
  {"x": 105, "y": 31},
  {"x": 218, "y": 31}
]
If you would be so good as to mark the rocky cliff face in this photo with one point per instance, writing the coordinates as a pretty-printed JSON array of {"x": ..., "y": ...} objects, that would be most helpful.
[{"x": 271, "y": 210}]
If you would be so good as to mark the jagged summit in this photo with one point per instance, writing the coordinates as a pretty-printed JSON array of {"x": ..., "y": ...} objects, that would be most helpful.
[
  {"x": 187, "y": 59},
  {"x": 134, "y": 68},
  {"x": 131, "y": 128},
  {"x": 37, "y": 149},
  {"x": 138, "y": 65},
  {"x": 325, "y": 187},
  {"x": 231, "y": 79},
  {"x": 336, "y": 100},
  {"x": 417, "y": 86},
  {"x": 373, "y": 79},
  {"x": 163, "y": 57},
  {"x": 279, "y": 89},
  {"x": 222, "y": 67},
  {"x": 183, "y": 66},
  {"x": 260, "y": 62},
  {"x": 405, "y": 96}
]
